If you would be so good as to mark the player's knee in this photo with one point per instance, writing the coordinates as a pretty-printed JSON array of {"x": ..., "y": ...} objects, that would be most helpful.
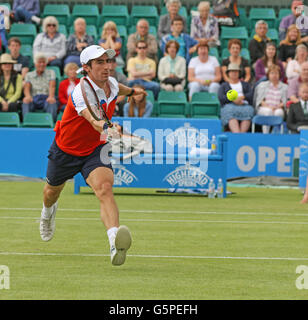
[
  {"x": 51, "y": 193},
  {"x": 104, "y": 190}
]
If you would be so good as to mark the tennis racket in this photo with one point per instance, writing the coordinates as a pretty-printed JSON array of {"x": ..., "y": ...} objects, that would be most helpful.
[{"x": 92, "y": 102}]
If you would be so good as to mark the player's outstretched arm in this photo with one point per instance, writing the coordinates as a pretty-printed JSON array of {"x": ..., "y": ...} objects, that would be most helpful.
[
  {"x": 97, "y": 125},
  {"x": 127, "y": 91}
]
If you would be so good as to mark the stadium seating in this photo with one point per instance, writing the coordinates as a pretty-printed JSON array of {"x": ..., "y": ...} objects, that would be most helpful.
[
  {"x": 172, "y": 104},
  {"x": 9, "y": 119},
  {"x": 205, "y": 105},
  {"x": 25, "y": 32},
  {"x": 228, "y": 33},
  {"x": 87, "y": 11},
  {"x": 182, "y": 11},
  {"x": 60, "y": 11},
  {"x": 144, "y": 12},
  {"x": 116, "y": 13},
  {"x": 274, "y": 121},
  {"x": 244, "y": 53},
  {"x": 267, "y": 14},
  {"x": 40, "y": 120},
  {"x": 283, "y": 12}
]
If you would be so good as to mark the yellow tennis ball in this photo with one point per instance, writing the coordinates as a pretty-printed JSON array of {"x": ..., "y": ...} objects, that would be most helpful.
[{"x": 232, "y": 95}]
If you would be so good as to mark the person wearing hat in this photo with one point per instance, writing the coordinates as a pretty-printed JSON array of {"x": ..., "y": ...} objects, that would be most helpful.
[
  {"x": 80, "y": 145},
  {"x": 237, "y": 114},
  {"x": 296, "y": 18},
  {"x": 10, "y": 84}
]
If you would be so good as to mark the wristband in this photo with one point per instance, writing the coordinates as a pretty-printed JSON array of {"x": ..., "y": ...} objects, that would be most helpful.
[
  {"x": 105, "y": 126},
  {"x": 132, "y": 92}
]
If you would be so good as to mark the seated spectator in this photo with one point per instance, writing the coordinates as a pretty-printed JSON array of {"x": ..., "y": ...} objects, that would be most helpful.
[
  {"x": 257, "y": 44},
  {"x": 294, "y": 84},
  {"x": 142, "y": 70},
  {"x": 270, "y": 97},
  {"x": 121, "y": 78},
  {"x": 10, "y": 85},
  {"x": 294, "y": 66},
  {"x": 172, "y": 68},
  {"x": 67, "y": 85},
  {"x": 40, "y": 88},
  {"x": 77, "y": 41},
  {"x": 291, "y": 19},
  {"x": 22, "y": 64},
  {"x": 203, "y": 71},
  {"x": 297, "y": 118},
  {"x": 226, "y": 12},
  {"x": 164, "y": 26},
  {"x": 138, "y": 106},
  {"x": 234, "y": 47},
  {"x": 27, "y": 11},
  {"x": 51, "y": 42},
  {"x": 270, "y": 58},
  {"x": 187, "y": 43},
  {"x": 110, "y": 39},
  {"x": 205, "y": 26},
  {"x": 288, "y": 46},
  {"x": 237, "y": 114},
  {"x": 142, "y": 33}
]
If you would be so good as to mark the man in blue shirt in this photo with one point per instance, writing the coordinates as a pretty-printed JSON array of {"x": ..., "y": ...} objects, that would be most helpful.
[
  {"x": 186, "y": 42},
  {"x": 27, "y": 11}
]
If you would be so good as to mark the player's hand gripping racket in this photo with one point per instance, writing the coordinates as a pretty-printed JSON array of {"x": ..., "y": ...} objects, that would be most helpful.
[{"x": 94, "y": 106}]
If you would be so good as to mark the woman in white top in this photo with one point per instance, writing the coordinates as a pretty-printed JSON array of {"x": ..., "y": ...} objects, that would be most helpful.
[
  {"x": 294, "y": 66},
  {"x": 204, "y": 72},
  {"x": 51, "y": 42},
  {"x": 172, "y": 68},
  {"x": 270, "y": 97}
]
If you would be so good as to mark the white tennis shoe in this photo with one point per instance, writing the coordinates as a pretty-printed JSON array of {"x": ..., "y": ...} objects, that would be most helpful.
[
  {"x": 48, "y": 226},
  {"x": 122, "y": 243}
]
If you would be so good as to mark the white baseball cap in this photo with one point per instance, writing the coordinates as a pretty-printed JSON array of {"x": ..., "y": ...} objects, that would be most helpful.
[{"x": 93, "y": 52}]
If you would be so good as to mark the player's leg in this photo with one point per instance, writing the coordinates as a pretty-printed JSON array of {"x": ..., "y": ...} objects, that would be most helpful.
[{"x": 101, "y": 181}]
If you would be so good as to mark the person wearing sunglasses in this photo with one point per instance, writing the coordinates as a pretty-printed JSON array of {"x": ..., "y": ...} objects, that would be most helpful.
[
  {"x": 51, "y": 42},
  {"x": 142, "y": 70}
]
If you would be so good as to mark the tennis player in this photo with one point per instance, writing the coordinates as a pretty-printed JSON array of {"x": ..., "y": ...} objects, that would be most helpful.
[{"x": 77, "y": 148}]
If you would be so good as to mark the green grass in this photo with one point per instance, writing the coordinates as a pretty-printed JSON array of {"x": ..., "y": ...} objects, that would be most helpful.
[{"x": 184, "y": 247}]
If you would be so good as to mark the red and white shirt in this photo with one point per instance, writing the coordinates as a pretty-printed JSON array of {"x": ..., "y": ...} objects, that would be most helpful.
[{"x": 74, "y": 134}]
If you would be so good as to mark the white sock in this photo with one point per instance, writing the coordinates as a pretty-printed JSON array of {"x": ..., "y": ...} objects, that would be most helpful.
[
  {"x": 112, "y": 232},
  {"x": 46, "y": 212},
  {"x": 36, "y": 19}
]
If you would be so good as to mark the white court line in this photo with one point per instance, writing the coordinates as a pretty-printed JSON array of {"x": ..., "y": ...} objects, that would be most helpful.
[
  {"x": 166, "y": 220},
  {"x": 150, "y": 256},
  {"x": 165, "y": 211}
]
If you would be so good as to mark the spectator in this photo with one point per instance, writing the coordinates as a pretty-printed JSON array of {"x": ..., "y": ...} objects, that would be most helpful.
[
  {"x": 110, "y": 39},
  {"x": 51, "y": 42},
  {"x": 270, "y": 97},
  {"x": 172, "y": 68},
  {"x": 164, "y": 26},
  {"x": 297, "y": 118},
  {"x": 142, "y": 70},
  {"x": 226, "y": 12},
  {"x": 22, "y": 64},
  {"x": 237, "y": 114},
  {"x": 234, "y": 47},
  {"x": 187, "y": 43},
  {"x": 294, "y": 84},
  {"x": 138, "y": 106},
  {"x": 203, "y": 71},
  {"x": 270, "y": 58},
  {"x": 121, "y": 78},
  {"x": 286, "y": 22},
  {"x": 288, "y": 45},
  {"x": 27, "y": 11},
  {"x": 10, "y": 85},
  {"x": 257, "y": 44},
  {"x": 67, "y": 85},
  {"x": 142, "y": 33},
  {"x": 40, "y": 87},
  {"x": 205, "y": 26},
  {"x": 294, "y": 66},
  {"x": 77, "y": 41}
]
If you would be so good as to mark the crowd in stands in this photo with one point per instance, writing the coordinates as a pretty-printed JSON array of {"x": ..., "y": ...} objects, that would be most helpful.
[{"x": 274, "y": 81}]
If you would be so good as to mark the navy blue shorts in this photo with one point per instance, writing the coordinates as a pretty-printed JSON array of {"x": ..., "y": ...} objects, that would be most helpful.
[{"x": 63, "y": 166}]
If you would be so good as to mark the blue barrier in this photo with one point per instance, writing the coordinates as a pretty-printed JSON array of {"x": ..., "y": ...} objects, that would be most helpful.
[{"x": 303, "y": 163}]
